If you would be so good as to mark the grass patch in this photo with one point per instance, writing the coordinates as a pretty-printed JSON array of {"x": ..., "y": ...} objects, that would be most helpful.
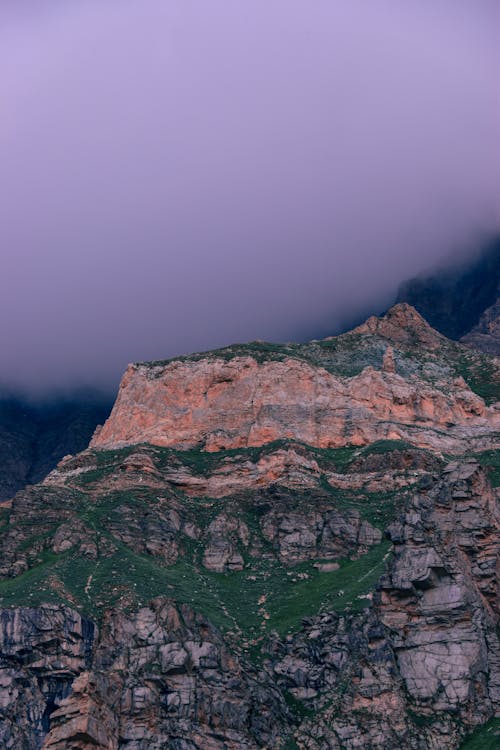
[
  {"x": 387, "y": 446},
  {"x": 481, "y": 375},
  {"x": 297, "y": 708},
  {"x": 486, "y": 737},
  {"x": 253, "y": 601},
  {"x": 490, "y": 460},
  {"x": 381, "y": 508},
  {"x": 287, "y": 596},
  {"x": 124, "y": 579}
]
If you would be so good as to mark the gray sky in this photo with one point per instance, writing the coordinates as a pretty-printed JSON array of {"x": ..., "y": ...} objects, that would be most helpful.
[{"x": 177, "y": 175}]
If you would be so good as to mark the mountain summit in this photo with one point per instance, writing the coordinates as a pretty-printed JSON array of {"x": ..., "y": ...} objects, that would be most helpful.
[{"x": 402, "y": 324}]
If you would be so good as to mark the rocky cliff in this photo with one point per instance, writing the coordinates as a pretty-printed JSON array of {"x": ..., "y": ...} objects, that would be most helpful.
[
  {"x": 266, "y": 546},
  {"x": 232, "y": 400}
]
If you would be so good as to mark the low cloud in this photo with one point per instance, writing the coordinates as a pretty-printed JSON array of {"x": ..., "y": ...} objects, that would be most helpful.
[{"x": 182, "y": 175}]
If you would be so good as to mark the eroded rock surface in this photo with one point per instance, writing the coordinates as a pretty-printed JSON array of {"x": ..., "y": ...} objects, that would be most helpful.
[
  {"x": 219, "y": 405},
  {"x": 420, "y": 667},
  {"x": 428, "y": 651},
  {"x": 161, "y": 677}
]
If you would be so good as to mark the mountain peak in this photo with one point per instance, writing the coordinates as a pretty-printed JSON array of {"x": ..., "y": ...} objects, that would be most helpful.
[{"x": 402, "y": 324}]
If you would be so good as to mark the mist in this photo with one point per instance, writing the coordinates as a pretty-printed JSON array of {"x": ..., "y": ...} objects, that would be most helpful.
[{"x": 181, "y": 175}]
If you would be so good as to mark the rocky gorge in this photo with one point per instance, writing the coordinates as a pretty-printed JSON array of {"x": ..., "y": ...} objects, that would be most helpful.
[{"x": 266, "y": 546}]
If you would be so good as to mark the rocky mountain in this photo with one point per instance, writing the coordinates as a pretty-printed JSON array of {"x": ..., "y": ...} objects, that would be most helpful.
[
  {"x": 463, "y": 300},
  {"x": 35, "y": 436},
  {"x": 266, "y": 546}
]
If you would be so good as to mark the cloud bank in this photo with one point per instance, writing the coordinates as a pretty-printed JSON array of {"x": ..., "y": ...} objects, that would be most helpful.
[{"x": 181, "y": 175}]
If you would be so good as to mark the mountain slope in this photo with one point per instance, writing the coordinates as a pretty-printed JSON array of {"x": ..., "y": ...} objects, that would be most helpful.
[
  {"x": 265, "y": 546},
  {"x": 34, "y": 437},
  {"x": 485, "y": 336},
  {"x": 463, "y": 301}
]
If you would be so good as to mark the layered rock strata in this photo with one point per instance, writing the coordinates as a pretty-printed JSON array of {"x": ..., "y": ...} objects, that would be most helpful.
[{"x": 219, "y": 405}]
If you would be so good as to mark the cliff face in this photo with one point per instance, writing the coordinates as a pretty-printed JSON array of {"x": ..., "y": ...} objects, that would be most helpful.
[
  {"x": 219, "y": 403},
  {"x": 427, "y": 650},
  {"x": 153, "y": 678},
  {"x": 265, "y": 547},
  {"x": 419, "y": 667}
]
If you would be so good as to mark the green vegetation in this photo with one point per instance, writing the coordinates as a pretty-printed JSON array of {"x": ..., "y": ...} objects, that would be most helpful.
[
  {"x": 298, "y": 709},
  {"x": 229, "y": 600},
  {"x": 265, "y": 596},
  {"x": 338, "y": 590},
  {"x": 203, "y": 463},
  {"x": 123, "y": 578},
  {"x": 479, "y": 372},
  {"x": 387, "y": 446},
  {"x": 491, "y": 462},
  {"x": 261, "y": 351},
  {"x": 486, "y": 737},
  {"x": 346, "y": 355}
]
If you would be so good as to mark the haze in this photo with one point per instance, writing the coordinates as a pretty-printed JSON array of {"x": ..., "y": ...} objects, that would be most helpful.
[{"x": 181, "y": 175}]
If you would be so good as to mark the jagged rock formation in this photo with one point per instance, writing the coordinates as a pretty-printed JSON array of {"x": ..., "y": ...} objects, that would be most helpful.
[
  {"x": 265, "y": 547},
  {"x": 141, "y": 680}
]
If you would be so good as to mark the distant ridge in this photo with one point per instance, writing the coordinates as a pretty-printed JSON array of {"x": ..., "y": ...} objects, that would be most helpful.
[
  {"x": 34, "y": 437},
  {"x": 457, "y": 301}
]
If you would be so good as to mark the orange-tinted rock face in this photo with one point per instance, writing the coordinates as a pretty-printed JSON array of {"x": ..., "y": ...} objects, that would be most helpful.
[
  {"x": 218, "y": 404},
  {"x": 404, "y": 325}
]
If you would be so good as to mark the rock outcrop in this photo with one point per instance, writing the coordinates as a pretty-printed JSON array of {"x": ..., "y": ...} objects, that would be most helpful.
[
  {"x": 419, "y": 667},
  {"x": 219, "y": 404},
  {"x": 161, "y": 677},
  {"x": 402, "y": 324}
]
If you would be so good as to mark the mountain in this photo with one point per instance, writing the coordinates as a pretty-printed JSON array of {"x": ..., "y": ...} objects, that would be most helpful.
[
  {"x": 485, "y": 336},
  {"x": 34, "y": 437},
  {"x": 462, "y": 301},
  {"x": 266, "y": 546}
]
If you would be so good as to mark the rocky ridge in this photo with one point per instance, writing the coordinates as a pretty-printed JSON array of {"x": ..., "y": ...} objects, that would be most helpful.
[{"x": 197, "y": 584}]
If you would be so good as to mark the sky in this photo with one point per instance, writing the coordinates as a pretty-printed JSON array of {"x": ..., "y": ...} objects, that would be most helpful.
[{"x": 179, "y": 175}]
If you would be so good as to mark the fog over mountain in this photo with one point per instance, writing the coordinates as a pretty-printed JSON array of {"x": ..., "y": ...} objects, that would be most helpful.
[{"x": 181, "y": 175}]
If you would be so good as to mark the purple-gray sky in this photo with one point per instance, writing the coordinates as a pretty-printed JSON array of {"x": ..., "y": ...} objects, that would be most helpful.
[{"x": 181, "y": 174}]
